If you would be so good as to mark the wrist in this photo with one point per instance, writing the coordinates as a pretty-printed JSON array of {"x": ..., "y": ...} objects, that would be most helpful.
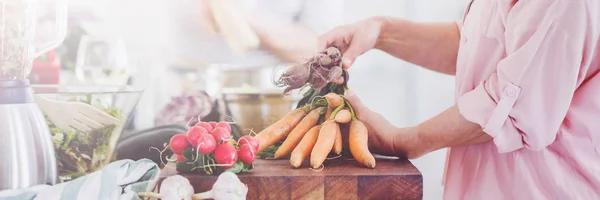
[
  {"x": 382, "y": 23},
  {"x": 407, "y": 143}
]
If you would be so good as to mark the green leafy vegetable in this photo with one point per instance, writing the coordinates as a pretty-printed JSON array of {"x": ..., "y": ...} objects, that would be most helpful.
[
  {"x": 269, "y": 152},
  {"x": 79, "y": 153},
  {"x": 206, "y": 164}
]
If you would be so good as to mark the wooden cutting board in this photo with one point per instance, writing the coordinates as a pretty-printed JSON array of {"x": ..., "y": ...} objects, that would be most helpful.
[{"x": 392, "y": 178}]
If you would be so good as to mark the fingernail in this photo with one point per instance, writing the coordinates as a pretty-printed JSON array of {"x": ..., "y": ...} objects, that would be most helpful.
[
  {"x": 347, "y": 61},
  {"x": 349, "y": 93}
]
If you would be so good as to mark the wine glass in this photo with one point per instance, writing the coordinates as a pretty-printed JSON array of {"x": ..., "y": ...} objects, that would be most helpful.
[{"x": 102, "y": 61}]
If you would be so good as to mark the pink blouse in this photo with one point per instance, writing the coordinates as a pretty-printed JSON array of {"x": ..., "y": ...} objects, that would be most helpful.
[{"x": 528, "y": 73}]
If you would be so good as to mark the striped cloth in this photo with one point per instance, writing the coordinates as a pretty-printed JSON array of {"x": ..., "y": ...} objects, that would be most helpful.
[{"x": 119, "y": 180}]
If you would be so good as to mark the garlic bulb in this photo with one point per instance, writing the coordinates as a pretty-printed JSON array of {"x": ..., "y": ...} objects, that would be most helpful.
[
  {"x": 227, "y": 187},
  {"x": 176, "y": 188}
]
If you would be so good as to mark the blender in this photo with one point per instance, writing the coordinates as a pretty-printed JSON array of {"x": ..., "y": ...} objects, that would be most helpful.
[{"x": 26, "y": 149}]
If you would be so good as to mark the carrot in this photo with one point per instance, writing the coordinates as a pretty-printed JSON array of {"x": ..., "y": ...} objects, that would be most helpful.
[
  {"x": 343, "y": 117},
  {"x": 324, "y": 143},
  {"x": 303, "y": 149},
  {"x": 337, "y": 143},
  {"x": 298, "y": 132},
  {"x": 334, "y": 100},
  {"x": 277, "y": 131},
  {"x": 358, "y": 143}
]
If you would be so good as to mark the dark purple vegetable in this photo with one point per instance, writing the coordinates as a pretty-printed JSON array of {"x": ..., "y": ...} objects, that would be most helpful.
[
  {"x": 317, "y": 71},
  {"x": 181, "y": 109},
  {"x": 333, "y": 52},
  {"x": 335, "y": 73},
  {"x": 294, "y": 78},
  {"x": 325, "y": 61}
]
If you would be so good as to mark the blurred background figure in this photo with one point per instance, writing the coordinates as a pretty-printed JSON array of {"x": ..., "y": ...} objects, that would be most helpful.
[{"x": 217, "y": 44}]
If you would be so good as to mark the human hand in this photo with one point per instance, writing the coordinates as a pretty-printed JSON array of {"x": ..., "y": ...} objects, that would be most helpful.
[
  {"x": 354, "y": 39},
  {"x": 381, "y": 132}
]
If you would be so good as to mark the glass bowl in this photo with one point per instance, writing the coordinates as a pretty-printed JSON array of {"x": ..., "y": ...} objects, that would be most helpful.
[{"x": 79, "y": 153}]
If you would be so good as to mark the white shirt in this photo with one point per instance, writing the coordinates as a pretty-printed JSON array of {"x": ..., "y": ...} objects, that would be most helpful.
[{"x": 191, "y": 43}]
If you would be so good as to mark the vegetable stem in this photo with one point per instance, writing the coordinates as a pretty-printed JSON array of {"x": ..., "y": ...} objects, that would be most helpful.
[
  {"x": 149, "y": 194},
  {"x": 335, "y": 112},
  {"x": 203, "y": 195},
  {"x": 349, "y": 107},
  {"x": 307, "y": 108}
]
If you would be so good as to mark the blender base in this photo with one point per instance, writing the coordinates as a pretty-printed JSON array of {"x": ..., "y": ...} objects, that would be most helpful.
[{"x": 28, "y": 156}]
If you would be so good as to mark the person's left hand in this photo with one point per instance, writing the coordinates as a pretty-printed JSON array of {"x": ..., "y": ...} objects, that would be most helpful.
[
  {"x": 207, "y": 16},
  {"x": 381, "y": 132}
]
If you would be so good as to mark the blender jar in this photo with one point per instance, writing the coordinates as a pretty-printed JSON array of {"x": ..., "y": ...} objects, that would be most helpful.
[
  {"x": 22, "y": 122},
  {"x": 18, "y": 45}
]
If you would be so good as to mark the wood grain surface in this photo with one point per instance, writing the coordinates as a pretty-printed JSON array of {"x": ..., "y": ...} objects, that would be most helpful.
[{"x": 392, "y": 178}]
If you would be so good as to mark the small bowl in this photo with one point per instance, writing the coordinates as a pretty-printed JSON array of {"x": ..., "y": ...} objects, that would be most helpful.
[
  {"x": 81, "y": 153},
  {"x": 257, "y": 109}
]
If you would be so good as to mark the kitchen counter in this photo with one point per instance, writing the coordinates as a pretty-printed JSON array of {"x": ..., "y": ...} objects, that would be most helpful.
[{"x": 345, "y": 179}]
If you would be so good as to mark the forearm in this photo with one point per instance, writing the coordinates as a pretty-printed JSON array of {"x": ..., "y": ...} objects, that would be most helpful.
[
  {"x": 430, "y": 45},
  {"x": 289, "y": 41},
  {"x": 447, "y": 129}
]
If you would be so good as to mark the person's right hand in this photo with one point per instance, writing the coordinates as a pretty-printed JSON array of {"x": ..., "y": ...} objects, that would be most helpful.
[
  {"x": 354, "y": 39},
  {"x": 382, "y": 133}
]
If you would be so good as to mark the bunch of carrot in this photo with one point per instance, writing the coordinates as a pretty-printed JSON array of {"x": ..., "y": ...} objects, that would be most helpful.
[{"x": 317, "y": 130}]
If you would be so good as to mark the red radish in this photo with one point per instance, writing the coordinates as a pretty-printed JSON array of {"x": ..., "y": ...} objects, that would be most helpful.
[
  {"x": 221, "y": 133},
  {"x": 249, "y": 140},
  {"x": 226, "y": 155},
  {"x": 180, "y": 158},
  {"x": 223, "y": 124},
  {"x": 205, "y": 125},
  {"x": 206, "y": 144},
  {"x": 194, "y": 134},
  {"x": 178, "y": 143},
  {"x": 247, "y": 153},
  {"x": 213, "y": 125}
]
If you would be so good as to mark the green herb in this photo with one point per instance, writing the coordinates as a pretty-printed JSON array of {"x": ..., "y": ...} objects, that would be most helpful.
[
  {"x": 269, "y": 152},
  {"x": 206, "y": 164}
]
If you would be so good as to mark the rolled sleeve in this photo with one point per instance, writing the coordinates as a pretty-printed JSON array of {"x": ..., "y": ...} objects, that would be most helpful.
[
  {"x": 459, "y": 24},
  {"x": 523, "y": 103}
]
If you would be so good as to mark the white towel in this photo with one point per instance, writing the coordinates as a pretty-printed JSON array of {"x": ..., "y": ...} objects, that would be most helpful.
[{"x": 119, "y": 180}]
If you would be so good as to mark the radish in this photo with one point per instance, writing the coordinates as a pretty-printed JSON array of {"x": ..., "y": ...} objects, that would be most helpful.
[
  {"x": 226, "y": 155},
  {"x": 249, "y": 140},
  {"x": 223, "y": 124},
  {"x": 213, "y": 125},
  {"x": 180, "y": 158},
  {"x": 247, "y": 153},
  {"x": 178, "y": 143},
  {"x": 205, "y": 125},
  {"x": 206, "y": 144},
  {"x": 221, "y": 133},
  {"x": 194, "y": 134}
]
